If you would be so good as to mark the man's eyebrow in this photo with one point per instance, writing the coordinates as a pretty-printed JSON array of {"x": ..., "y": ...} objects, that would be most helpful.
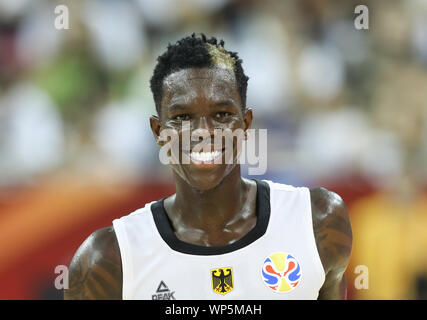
[
  {"x": 177, "y": 107},
  {"x": 224, "y": 103}
]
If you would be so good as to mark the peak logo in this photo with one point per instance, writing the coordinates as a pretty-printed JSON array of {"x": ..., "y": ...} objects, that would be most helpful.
[{"x": 163, "y": 293}]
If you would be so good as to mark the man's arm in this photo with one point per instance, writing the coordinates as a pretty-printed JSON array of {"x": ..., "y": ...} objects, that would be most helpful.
[
  {"x": 95, "y": 271},
  {"x": 334, "y": 238}
]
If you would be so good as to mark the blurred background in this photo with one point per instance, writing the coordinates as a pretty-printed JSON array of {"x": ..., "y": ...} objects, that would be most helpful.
[{"x": 345, "y": 109}]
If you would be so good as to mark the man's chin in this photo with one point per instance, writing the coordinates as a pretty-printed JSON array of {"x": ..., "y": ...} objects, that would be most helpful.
[
  {"x": 205, "y": 184},
  {"x": 204, "y": 180}
]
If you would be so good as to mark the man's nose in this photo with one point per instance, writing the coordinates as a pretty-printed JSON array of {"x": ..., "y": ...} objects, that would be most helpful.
[
  {"x": 201, "y": 128},
  {"x": 202, "y": 124}
]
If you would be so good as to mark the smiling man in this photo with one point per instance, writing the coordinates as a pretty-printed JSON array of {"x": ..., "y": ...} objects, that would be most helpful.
[{"x": 220, "y": 236}]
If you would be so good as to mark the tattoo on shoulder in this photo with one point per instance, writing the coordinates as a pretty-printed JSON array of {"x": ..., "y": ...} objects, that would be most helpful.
[
  {"x": 332, "y": 229},
  {"x": 95, "y": 271}
]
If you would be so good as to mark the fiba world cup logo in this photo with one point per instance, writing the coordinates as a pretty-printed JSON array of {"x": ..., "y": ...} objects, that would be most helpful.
[{"x": 281, "y": 272}]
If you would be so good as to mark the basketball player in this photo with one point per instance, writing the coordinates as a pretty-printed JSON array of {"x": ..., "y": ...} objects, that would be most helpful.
[{"x": 220, "y": 236}]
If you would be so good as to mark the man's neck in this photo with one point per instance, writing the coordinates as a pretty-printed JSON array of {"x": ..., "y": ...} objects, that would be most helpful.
[{"x": 228, "y": 208}]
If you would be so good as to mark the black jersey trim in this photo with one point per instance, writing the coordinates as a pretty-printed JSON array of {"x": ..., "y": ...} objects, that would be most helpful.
[{"x": 165, "y": 228}]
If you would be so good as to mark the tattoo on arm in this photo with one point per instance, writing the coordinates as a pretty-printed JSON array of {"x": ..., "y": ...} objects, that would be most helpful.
[
  {"x": 95, "y": 271},
  {"x": 334, "y": 239}
]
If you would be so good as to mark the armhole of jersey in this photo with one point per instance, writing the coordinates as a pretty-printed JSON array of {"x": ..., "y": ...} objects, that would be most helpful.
[
  {"x": 310, "y": 231},
  {"x": 271, "y": 203},
  {"x": 127, "y": 271}
]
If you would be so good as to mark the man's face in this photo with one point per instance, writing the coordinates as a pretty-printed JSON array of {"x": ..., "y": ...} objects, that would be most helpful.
[{"x": 200, "y": 103}]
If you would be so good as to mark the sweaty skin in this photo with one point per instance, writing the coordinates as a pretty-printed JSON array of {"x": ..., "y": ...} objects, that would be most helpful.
[{"x": 213, "y": 206}]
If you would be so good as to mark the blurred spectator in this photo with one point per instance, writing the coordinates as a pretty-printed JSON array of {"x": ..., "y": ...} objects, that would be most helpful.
[
  {"x": 116, "y": 32},
  {"x": 32, "y": 137}
]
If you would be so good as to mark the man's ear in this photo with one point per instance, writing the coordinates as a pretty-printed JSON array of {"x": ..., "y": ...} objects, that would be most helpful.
[
  {"x": 156, "y": 126},
  {"x": 247, "y": 119}
]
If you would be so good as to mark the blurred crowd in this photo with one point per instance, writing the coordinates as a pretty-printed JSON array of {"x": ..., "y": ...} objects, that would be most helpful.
[{"x": 340, "y": 104}]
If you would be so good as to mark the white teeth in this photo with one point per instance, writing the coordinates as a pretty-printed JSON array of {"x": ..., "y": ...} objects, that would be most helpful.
[{"x": 204, "y": 156}]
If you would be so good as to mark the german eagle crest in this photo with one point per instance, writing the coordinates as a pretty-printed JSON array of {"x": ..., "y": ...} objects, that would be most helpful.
[{"x": 222, "y": 280}]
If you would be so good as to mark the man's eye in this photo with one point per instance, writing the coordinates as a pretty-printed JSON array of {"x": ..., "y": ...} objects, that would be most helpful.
[
  {"x": 181, "y": 117},
  {"x": 221, "y": 115}
]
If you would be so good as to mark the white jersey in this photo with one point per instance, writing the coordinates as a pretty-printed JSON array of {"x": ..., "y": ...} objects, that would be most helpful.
[{"x": 277, "y": 259}]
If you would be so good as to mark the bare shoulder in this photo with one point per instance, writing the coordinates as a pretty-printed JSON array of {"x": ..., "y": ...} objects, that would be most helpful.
[
  {"x": 332, "y": 229},
  {"x": 95, "y": 271}
]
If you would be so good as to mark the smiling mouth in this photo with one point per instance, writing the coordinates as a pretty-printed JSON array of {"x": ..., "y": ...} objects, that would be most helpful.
[{"x": 204, "y": 157}]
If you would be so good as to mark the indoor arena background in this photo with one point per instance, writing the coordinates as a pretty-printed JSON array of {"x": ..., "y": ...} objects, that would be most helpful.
[{"x": 345, "y": 109}]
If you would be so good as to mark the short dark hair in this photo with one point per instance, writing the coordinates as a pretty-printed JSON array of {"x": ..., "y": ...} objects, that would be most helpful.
[{"x": 194, "y": 52}]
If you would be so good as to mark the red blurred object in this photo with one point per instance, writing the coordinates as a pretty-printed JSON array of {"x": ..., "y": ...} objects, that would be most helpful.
[{"x": 31, "y": 274}]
